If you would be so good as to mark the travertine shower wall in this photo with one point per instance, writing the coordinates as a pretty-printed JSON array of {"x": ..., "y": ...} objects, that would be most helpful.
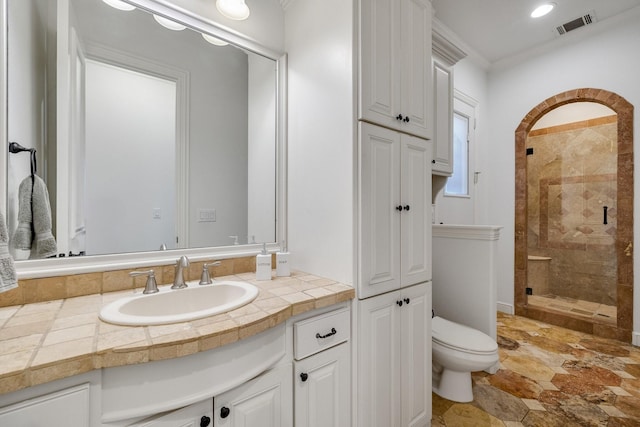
[{"x": 571, "y": 181}]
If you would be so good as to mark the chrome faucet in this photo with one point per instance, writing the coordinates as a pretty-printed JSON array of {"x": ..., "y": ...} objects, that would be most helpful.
[{"x": 178, "y": 280}]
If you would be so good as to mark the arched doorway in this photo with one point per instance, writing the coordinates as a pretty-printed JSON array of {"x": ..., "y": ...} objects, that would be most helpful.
[{"x": 624, "y": 200}]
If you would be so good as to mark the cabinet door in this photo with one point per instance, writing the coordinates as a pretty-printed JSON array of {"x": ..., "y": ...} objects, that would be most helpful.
[
  {"x": 196, "y": 415},
  {"x": 265, "y": 401},
  {"x": 65, "y": 408},
  {"x": 379, "y": 261},
  {"x": 378, "y": 392},
  {"x": 415, "y": 222},
  {"x": 443, "y": 119},
  {"x": 416, "y": 355},
  {"x": 416, "y": 67},
  {"x": 322, "y": 389},
  {"x": 380, "y": 60}
]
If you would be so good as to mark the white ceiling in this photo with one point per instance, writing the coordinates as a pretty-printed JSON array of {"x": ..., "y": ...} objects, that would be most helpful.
[{"x": 498, "y": 29}]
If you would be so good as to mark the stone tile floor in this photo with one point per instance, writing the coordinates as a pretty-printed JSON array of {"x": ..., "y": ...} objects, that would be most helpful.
[
  {"x": 585, "y": 309},
  {"x": 550, "y": 376}
]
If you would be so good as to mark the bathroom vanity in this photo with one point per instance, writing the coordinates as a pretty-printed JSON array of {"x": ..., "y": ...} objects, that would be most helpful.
[{"x": 292, "y": 344}]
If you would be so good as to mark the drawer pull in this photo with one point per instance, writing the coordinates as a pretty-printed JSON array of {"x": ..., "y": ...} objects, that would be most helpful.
[{"x": 333, "y": 332}]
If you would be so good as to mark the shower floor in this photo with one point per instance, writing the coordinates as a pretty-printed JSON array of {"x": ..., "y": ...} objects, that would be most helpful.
[{"x": 583, "y": 309}]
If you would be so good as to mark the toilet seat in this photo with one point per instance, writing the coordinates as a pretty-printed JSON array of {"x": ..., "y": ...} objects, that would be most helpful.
[{"x": 461, "y": 338}]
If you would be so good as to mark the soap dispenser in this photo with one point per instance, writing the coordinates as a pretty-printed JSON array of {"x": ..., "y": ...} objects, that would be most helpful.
[
  {"x": 282, "y": 262},
  {"x": 263, "y": 264}
]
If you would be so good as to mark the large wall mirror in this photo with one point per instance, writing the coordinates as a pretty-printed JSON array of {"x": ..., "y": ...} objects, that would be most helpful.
[{"x": 147, "y": 135}]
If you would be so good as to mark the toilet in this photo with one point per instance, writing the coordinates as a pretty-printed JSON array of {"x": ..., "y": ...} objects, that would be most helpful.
[{"x": 459, "y": 350}]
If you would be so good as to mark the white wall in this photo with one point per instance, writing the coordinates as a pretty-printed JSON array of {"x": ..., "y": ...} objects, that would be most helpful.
[
  {"x": 319, "y": 43},
  {"x": 604, "y": 59}
]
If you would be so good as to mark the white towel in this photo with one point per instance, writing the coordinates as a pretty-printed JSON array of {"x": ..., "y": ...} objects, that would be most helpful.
[
  {"x": 44, "y": 244},
  {"x": 8, "y": 278}
]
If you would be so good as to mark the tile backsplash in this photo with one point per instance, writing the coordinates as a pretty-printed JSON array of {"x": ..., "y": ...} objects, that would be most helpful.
[{"x": 60, "y": 287}]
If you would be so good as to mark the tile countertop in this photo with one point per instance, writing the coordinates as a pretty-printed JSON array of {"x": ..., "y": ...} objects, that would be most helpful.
[{"x": 42, "y": 342}]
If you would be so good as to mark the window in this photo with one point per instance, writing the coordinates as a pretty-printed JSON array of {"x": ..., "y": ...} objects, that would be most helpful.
[{"x": 458, "y": 183}]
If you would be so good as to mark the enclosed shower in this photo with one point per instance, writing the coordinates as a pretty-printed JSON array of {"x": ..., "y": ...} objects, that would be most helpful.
[{"x": 572, "y": 212}]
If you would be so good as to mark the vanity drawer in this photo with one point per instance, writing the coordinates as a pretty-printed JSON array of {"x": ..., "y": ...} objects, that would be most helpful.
[{"x": 321, "y": 332}]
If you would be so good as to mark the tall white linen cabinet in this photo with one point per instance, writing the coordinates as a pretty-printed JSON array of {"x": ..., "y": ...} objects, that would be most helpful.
[
  {"x": 393, "y": 360},
  {"x": 360, "y": 102}
]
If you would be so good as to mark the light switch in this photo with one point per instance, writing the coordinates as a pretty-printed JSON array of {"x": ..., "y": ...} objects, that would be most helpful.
[
  {"x": 157, "y": 213},
  {"x": 206, "y": 215}
]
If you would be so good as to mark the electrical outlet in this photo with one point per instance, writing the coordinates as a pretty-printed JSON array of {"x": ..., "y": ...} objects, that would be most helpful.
[{"x": 157, "y": 213}]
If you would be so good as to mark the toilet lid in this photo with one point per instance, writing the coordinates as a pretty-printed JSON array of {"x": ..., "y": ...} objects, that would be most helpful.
[{"x": 464, "y": 338}]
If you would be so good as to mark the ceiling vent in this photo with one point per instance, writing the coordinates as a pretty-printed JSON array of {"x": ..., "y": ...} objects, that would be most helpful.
[{"x": 586, "y": 19}]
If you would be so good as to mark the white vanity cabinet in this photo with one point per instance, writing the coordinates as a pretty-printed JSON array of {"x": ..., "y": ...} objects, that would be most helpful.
[
  {"x": 394, "y": 358},
  {"x": 265, "y": 401},
  {"x": 68, "y": 402},
  {"x": 395, "y": 209},
  {"x": 69, "y": 407},
  {"x": 196, "y": 415},
  {"x": 395, "y": 64},
  {"x": 443, "y": 117},
  {"x": 322, "y": 374}
]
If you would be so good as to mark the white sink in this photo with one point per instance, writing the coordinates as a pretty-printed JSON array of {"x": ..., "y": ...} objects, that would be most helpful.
[{"x": 179, "y": 305}]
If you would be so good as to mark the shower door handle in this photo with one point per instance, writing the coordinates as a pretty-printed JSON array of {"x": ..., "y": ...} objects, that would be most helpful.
[{"x": 604, "y": 208}]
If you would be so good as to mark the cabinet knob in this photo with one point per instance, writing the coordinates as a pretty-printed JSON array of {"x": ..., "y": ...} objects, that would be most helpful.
[
  {"x": 399, "y": 117},
  {"x": 224, "y": 412},
  {"x": 407, "y": 207},
  {"x": 399, "y": 208},
  {"x": 304, "y": 376},
  {"x": 406, "y": 119},
  {"x": 433, "y": 161},
  {"x": 399, "y": 302},
  {"x": 407, "y": 300},
  {"x": 205, "y": 421}
]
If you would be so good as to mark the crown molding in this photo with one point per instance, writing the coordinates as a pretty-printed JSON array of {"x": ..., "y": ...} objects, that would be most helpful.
[{"x": 442, "y": 44}]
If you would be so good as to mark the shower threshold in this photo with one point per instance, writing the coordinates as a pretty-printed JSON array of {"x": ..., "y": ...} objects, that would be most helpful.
[{"x": 586, "y": 310}]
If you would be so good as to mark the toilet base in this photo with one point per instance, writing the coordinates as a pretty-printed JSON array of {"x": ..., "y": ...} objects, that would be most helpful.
[{"x": 452, "y": 385}]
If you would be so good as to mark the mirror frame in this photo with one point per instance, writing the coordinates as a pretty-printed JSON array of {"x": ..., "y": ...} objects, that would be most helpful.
[{"x": 95, "y": 263}]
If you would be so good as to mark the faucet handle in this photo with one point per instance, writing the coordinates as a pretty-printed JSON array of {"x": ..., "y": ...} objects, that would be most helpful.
[
  {"x": 205, "y": 279},
  {"x": 151, "y": 286}
]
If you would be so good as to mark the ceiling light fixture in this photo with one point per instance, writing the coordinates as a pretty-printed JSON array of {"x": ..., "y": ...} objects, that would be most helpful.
[
  {"x": 120, "y": 5},
  {"x": 233, "y": 9},
  {"x": 167, "y": 23},
  {"x": 214, "y": 40},
  {"x": 542, "y": 10}
]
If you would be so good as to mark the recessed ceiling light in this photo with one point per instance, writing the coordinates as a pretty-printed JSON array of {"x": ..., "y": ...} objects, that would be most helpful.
[
  {"x": 542, "y": 10},
  {"x": 120, "y": 5},
  {"x": 167, "y": 23}
]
